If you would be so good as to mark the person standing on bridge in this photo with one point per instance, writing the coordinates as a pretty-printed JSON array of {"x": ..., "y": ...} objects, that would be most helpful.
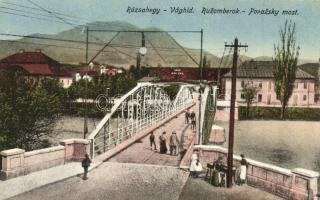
[
  {"x": 163, "y": 143},
  {"x": 193, "y": 120},
  {"x": 173, "y": 143},
  {"x": 85, "y": 164},
  {"x": 192, "y": 115},
  {"x": 187, "y": 116},
  {"x": 193, "y": 123},
  {"x": 243, "y": 169},
  {"x": 152, "y": 141}
]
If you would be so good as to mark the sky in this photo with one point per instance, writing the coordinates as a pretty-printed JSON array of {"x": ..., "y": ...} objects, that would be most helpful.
[{"x": 259, "y": 32}]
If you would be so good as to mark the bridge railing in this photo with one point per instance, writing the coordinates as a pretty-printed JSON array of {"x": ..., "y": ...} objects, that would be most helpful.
[
  {"x": 208, "y": 109},
  {"x": 140, "y": 108}
]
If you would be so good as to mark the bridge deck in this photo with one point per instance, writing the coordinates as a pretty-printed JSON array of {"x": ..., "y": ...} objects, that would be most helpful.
[{"x": 141, "y": 152}]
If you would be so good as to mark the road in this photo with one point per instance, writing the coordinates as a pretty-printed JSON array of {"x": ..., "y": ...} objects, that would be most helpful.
[
  {"x": 141, "y": 152},
  {"x": 116, "y": 181}
]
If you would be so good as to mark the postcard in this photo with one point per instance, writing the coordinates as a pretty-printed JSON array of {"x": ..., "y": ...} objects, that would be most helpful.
[{"x": 171, "y": 99}]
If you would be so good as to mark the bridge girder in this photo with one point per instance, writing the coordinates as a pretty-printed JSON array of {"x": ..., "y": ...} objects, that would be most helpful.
[{"x": 141, "y": 107}]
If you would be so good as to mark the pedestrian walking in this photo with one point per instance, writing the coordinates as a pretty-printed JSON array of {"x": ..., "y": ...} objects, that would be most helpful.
[
  {"x": 187, "y": 116},
  {"x": 193, "y": 115},
  {"x": 152, "y": 141},
  {"x": 193, "y": 123},
  {"x": 243, "y": 169},
  {"x": 85, "y": 164},
  {"x": 163, "y": 143},
  {"x": 174, "y": 142}
]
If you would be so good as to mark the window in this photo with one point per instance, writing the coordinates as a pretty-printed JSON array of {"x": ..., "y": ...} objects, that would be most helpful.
[
  {"x": 305, "y": 85},
  {"x": 304, "y": 97},
  {"x": 242, "y": 84},
  {"x": 242, "y": 96},
  {"x": 259, "y": 97},
  {"x": 296, "y": 85},
  {"x": 260, "y": 85}
]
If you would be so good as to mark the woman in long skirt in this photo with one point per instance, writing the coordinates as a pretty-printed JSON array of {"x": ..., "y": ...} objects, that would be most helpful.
[
  {"x": 243, "y": 169},
  {"x": 163, "y": 143}
]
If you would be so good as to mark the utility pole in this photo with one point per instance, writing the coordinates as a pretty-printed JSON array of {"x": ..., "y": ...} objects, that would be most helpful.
[
  {"x": 235, "y": 47},
  {"x": 200, "y": 87},
  {"x": 87, "y": 44},
  {"x": 85, "y": 123}
]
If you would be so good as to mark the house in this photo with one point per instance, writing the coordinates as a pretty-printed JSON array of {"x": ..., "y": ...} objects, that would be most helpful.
[
  {"x": 187, "y": 73},
  {"x": 90, "y": 73},
  {"x": 38, "y": 64},
  {"x": 314, "y": 70},
  {"x": 260, "y": 74},
  {"x": 107, "y": 70},
  {"x": 86, "y": 74}
]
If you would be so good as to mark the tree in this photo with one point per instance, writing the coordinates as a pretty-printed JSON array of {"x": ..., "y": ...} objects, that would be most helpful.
[
  {"x": 249, "y": 93},
  {"x": 29, "y": 109},
  {"x": 285, "y": 64}
]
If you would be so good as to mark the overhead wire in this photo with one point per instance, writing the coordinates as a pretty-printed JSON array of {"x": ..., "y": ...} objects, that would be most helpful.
[
  {"x": 63, "y": 20},
  {"x": 72, "y": 17}
]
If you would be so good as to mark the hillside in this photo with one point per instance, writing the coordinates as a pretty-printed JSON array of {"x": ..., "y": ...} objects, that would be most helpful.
[{"x": 122, "y": 52}]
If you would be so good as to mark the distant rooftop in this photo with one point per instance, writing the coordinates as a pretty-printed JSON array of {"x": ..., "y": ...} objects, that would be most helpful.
[
  {"x": 263, "y": 69},
  {"x": 35, "y": 63}
]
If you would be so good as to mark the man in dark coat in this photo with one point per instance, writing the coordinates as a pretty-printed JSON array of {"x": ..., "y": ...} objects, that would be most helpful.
[
  {"x": 163, "y": 143},
  {"x": 187, "y": 115},
  {"x": 174, "y": 142},
  {"x": 85, "y": 164},
  {"x": 152, "y": 141}
]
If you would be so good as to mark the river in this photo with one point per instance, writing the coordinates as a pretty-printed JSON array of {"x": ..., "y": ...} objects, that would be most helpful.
[{"x": 288, "y": 144}]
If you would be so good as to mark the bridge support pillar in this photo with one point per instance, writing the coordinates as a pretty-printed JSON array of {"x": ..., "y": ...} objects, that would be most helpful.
[
  {"x": 76, "y": 149},
  {"x": 12, "y": 163}
]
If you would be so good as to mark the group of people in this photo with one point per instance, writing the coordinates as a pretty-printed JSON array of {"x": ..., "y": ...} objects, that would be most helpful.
[
  {"x": 219, "y": 170},
  {"x": 173, "y": 143},
  {"x": 190, "y": 117}
]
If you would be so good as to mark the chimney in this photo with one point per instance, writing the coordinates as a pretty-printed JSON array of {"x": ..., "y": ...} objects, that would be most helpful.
[
  {"x": 38, "y": 50},
  {"x": 21, "y": 51}
]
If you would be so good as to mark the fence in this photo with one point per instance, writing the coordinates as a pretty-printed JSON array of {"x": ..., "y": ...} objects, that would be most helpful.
[
  {"x": 17, "y": 162},
  {"x": 295, "y": 184}
]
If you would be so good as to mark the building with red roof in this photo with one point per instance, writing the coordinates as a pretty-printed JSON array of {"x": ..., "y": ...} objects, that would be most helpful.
[{"x": 38, "y": 64}]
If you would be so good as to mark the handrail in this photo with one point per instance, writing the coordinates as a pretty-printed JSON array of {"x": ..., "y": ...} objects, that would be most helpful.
[
  {"x": 135, "y": 106},
  {"x": 114, "y": 109}
]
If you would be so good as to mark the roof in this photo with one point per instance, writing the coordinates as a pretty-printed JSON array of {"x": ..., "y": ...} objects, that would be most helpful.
[
  {"x": 28, "y": 58},
  {"x": 263, "y": 69},
  {"x": 35, "y": 63},
  {"x": 88, "y": 72},
  {"x": 311, "y": 68}
]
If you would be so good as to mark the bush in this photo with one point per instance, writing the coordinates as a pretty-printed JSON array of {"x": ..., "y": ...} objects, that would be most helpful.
[
  {"x": 274, "y": 113},
  {"x": 172, "y": 91}
]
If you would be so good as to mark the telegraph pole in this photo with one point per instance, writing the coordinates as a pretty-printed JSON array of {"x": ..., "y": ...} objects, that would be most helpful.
[
  {"x": 235, "y": 47},
  {"x": 200, "y": 89},
  {"x": 85, "y": 123}
]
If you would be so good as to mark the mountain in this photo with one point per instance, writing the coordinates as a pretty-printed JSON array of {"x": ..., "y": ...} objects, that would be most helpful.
[{"x": 162, "y": 49}]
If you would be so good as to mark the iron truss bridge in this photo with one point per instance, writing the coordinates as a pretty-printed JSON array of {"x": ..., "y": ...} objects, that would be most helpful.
[{"x": 140, "y": 108}]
